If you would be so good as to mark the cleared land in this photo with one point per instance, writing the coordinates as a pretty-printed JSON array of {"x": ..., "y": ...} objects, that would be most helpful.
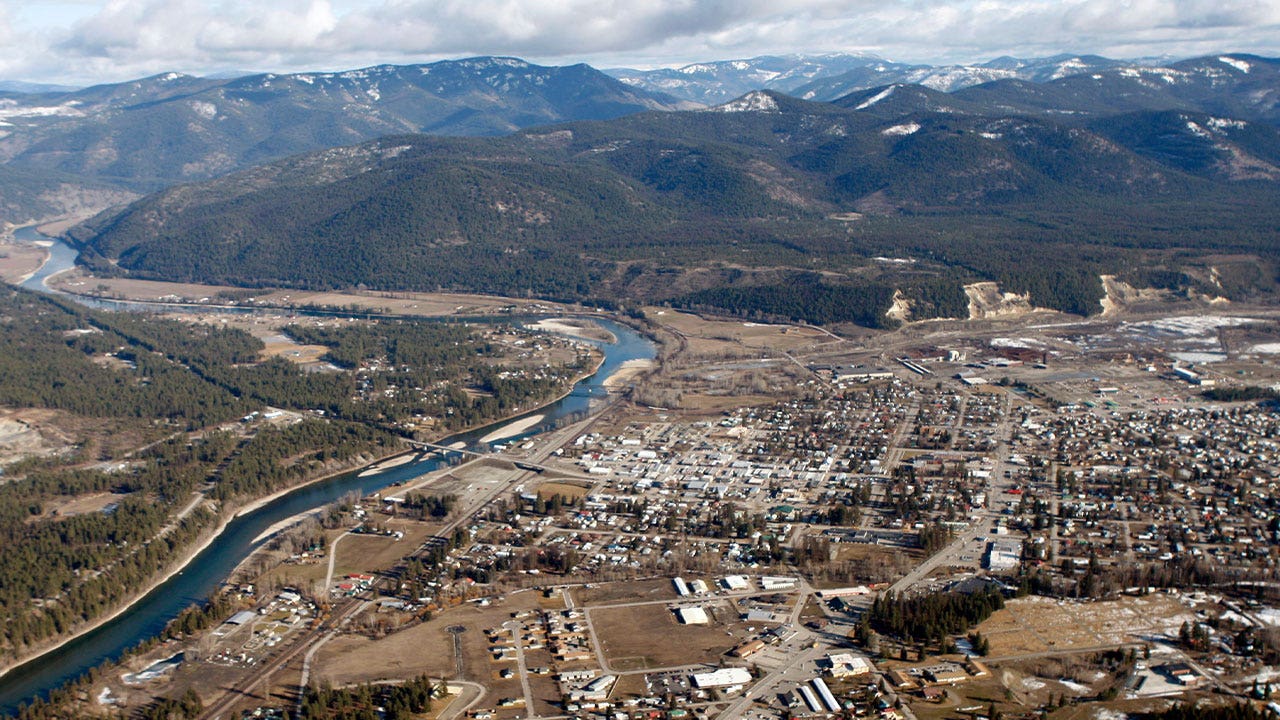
[
  {"x": 425, "y": 648},
  {"x": 639, "y": 636},
  {"x": 601, "y": 593},
  {"x": 1039, "y": 625},
  {"x": 18, "y": 261},
  {"x": 563, "y": 489},
  {"x": 730, "y": 338}
]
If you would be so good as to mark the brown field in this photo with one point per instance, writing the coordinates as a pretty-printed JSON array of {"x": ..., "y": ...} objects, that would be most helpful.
[
  {"x": 366, "y": 553},
  {"x": 630, "y": 686},
  {"x": 1035, "y": 625},
  {"x": 20, "y": 260},
  {"x": 400, "y": 303},
  {"x": 78, "y": 281},
  {"x": 639, "y": 636},
  {"x": 564, "y": 489},
  {"x": 716, "y": 404},
  {"x": 545, "y": 689},
  {"x": 393, "y": 303},
  {"x": 710, "y": 337},
  {"x": 34, "y": 431},
  {"x": 67, "y": 506},
  {"x": 425, "y": 648},
  {"x": 624, "y": 591},
  {"x": 283, "y": 346}
]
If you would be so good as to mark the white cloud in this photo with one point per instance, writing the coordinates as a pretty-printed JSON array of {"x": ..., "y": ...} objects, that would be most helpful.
[{"x": 80, "y": 40}]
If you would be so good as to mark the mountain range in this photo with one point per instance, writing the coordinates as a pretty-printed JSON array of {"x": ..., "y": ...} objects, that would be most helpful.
[
  {"x": 1042, "y": 179},
  {"x": 149, "y": 133},
  {"x": 827, "y": 77},
  {"x": 767, "y": 204},
  {"x": 63, "y": 150}
]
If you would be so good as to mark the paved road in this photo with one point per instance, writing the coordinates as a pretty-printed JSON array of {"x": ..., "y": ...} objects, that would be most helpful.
[
  {"x": 516, "y": 629},
  {"x": 965, "y": 542}
]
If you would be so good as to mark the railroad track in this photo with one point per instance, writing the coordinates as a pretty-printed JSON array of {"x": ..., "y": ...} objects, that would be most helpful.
[{"x": 249, "y": 685}]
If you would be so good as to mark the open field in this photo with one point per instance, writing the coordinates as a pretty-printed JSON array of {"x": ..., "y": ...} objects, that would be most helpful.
[
  {"x": 638, "y": 637},
  {"x": 282, "y": 346},
  {"x": 69, "y": 505},
  {"x": 18, "y": 261},
  {"x": 564, "y": 489},
  {"x": 78, "y": 281},
  {"x": 30, "y": 432},
  {"x": 367, "y": 553},
  {"x": 709, "y": 337},
  {"x": 1036, "y": 625},
  {"x": 434, "y": 304},
  {"x": 425, "y": 648},
  {"x": 639, "y": 591},
  {"x": 402, "y": 303}
]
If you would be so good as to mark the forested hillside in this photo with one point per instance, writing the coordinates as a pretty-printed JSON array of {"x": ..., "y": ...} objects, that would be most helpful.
[{"x": 737, "y": 209}]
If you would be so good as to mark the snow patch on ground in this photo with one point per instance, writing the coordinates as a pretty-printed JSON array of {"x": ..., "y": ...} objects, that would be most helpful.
[
  {"x": 1270, "y": 616},
  {"x": 1240, "y": 65},
  {"x": 877, "y": 97},
  {"x": 1223, "y": 123},
  {"x": 904, "y": 129},
  {"x": 1265, "y": 348},
  {"x": 1032, "y": 684},
  {"x": 751, "y": 102},
  {"x": 204, "y": 109},
  {"x": 1198, "y": 357},
  {"x": 1073, "y": 686},
  {"x": 1004, "y": 342},
  {"x": 11, "y": 109},
  {"x": 1188, "y": 325}
]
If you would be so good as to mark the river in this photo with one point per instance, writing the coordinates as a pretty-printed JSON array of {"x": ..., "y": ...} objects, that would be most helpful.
[{"x": 210, "y": 568}]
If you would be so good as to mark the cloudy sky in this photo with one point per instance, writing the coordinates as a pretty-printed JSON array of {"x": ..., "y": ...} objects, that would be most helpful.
[{"x": 83, "y": 41}]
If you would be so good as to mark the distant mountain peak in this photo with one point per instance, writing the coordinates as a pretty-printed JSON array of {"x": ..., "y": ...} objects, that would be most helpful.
[{"x": 754, "y": 101}]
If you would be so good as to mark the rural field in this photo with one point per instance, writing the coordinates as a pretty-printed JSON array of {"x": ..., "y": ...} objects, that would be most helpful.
[
  {"x": 1038, "y": 625},
  {"x": 638, "y": 637}
]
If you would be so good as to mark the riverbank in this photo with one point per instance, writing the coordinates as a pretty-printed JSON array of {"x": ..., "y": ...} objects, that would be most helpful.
[
  {"x": 207, "y": 539},
  {"x": 574, "y": 327},
  {"x": 20, "y": 259},
  {"x": 628, "y": 371},
  {"x": 204, "y": 540},
  {"x": 513, "y": 429},
  {"x": 210, "y": 561}
]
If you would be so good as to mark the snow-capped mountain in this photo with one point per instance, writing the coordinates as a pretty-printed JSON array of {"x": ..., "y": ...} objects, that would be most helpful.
[
  {"x": 827, "y": 77},
  {"x": 174, "y": 127},
  {"x": 714, "y": 83}
]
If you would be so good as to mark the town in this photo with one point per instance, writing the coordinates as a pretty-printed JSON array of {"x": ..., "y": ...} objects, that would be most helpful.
[{"x": 1012, "y": 521}]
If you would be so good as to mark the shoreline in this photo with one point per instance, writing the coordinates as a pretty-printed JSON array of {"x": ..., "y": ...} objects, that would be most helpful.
[
  {"x": 184, "y": 561},
  {"x": 201, "y": 545},
  {"x": 513, "y": 428}
]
